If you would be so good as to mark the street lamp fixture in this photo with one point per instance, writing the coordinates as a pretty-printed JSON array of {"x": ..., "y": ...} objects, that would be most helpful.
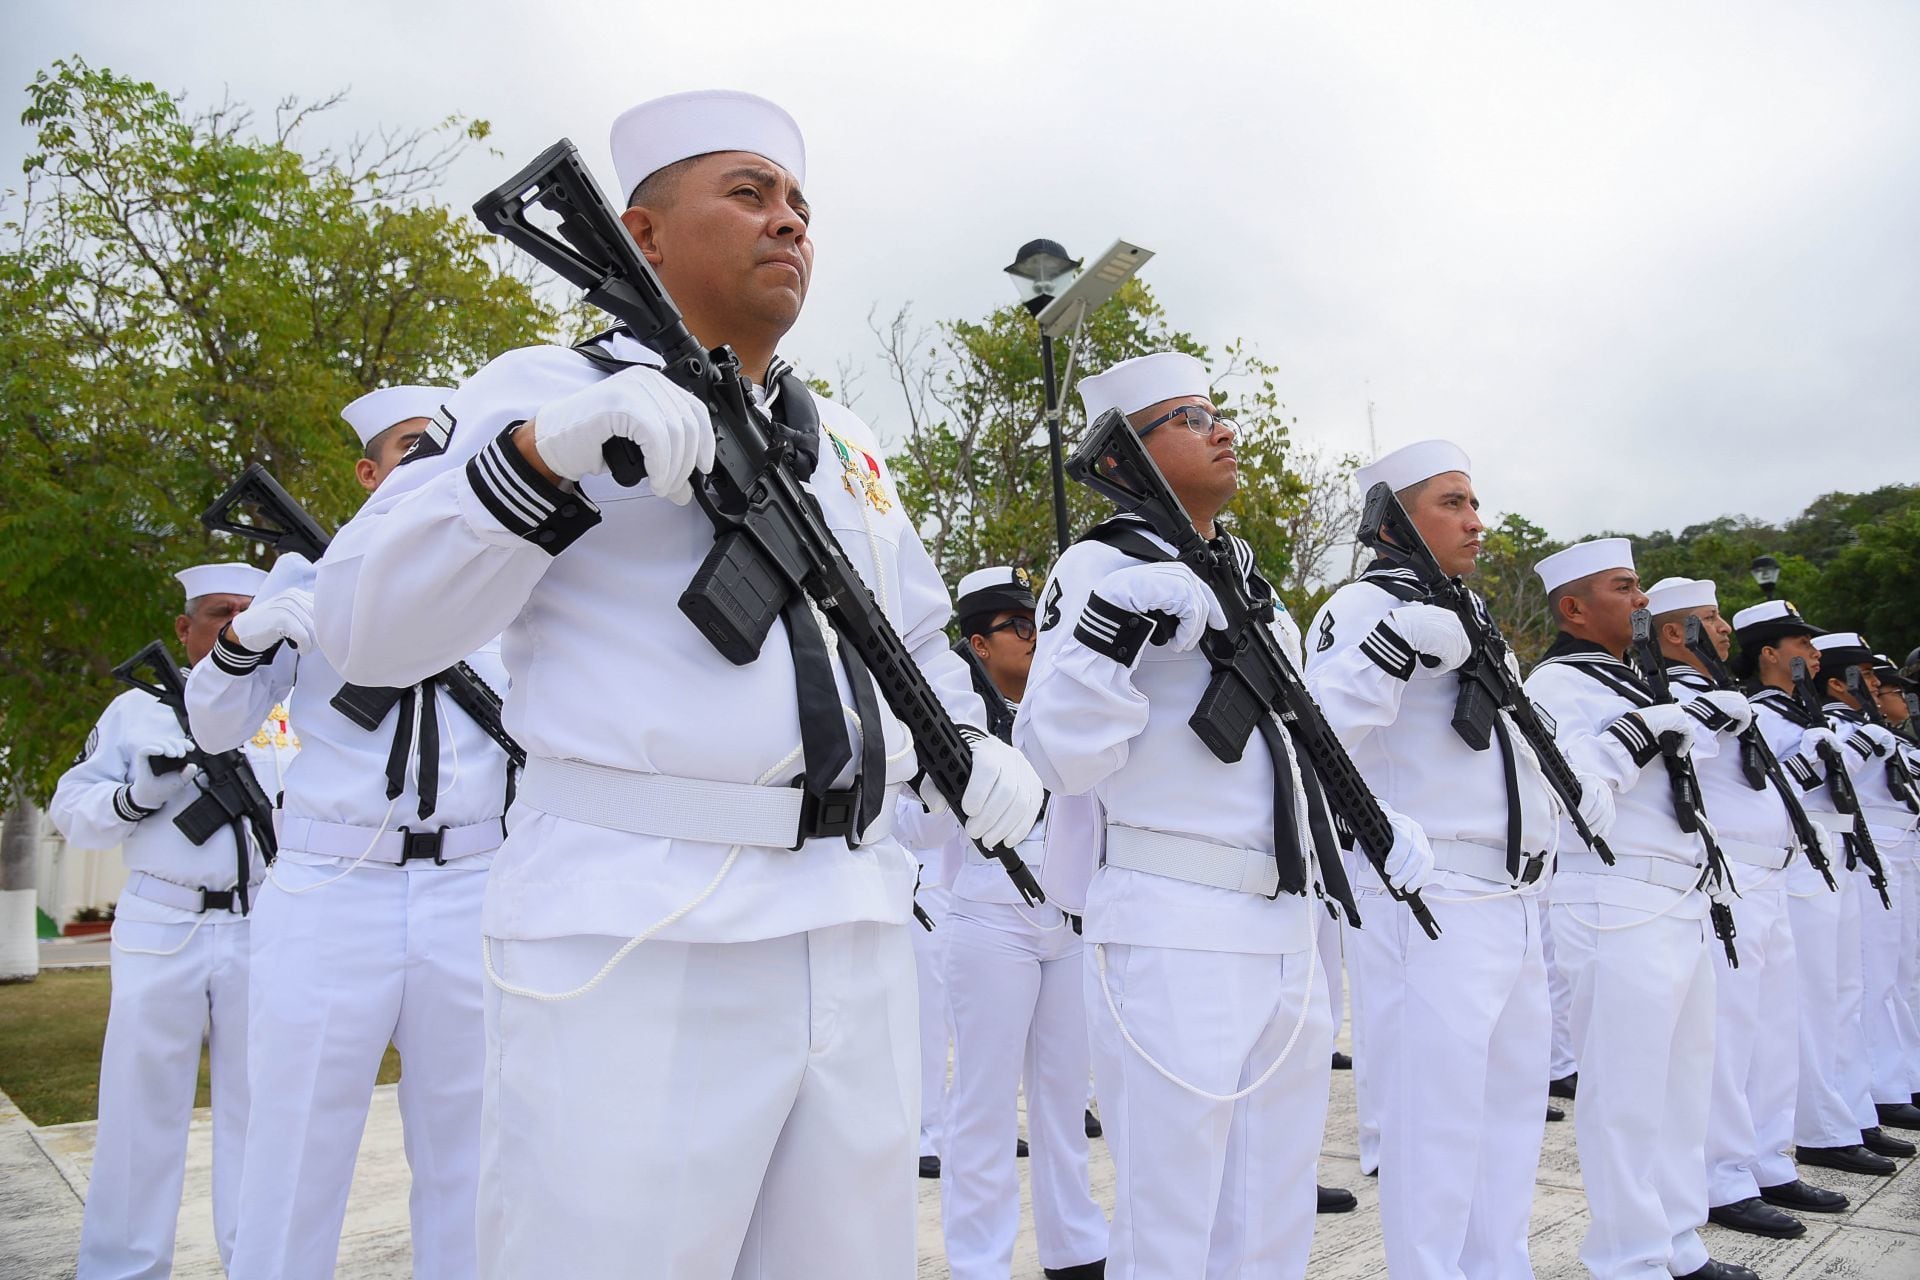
[
  {"x": 1061, "y": 300},
  {"x": 1766, "y": 574}
]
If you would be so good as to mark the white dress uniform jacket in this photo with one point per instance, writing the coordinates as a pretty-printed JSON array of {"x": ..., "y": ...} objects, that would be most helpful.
[
  {"x": 179, "y": 974},
  {"x": 1633, "y": 942},
  {"x": 1456, "y": 1028},
  {"x": 1214, "y": 1177}
]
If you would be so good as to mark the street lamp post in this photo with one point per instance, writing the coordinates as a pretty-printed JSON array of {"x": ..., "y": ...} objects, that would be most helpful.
[
  {"x": 1766, "y": 574},
  {"x": 1060, "y": 301}
]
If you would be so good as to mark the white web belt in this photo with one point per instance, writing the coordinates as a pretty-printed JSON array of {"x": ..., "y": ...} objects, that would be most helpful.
[
  {"x": 672, "y": 808},
  {"x": 169, "y": 893},
  {"x": 1162, "y": 853},
  {"x": 345, "y": 840},
  {"x": 1770, "y": 857},
  {"x": 1664, "y": 872}
]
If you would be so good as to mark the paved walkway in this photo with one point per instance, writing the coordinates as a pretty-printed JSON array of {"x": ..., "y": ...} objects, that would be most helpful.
[{"x": 43, "y": 1175}]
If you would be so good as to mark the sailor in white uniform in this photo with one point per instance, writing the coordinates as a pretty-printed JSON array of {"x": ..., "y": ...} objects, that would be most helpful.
[
  {"x": 179, "y": 956},
  {"x": 1833, "y": 1119},
  {"x": 1756, "y": 1062},
  {"x": 1457, "y": 1027},
  {"x": 368, "y": 932},
  {"x": 1209, "y": 1025},
  {"x": 702, "y": 1031},
  {"x": 1015, "y": 983},
  {"x": 1632, "y": 938}
]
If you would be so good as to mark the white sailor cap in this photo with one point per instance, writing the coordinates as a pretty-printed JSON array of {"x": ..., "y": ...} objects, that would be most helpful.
[
  {"x": 381, "y": 410},
  {"x": 1406, "y": 467},
  {"x": 1583, "y": 559},
  {"x": 1132, "y": 385},
  {"x": 1778, "y": 616},
  {"x": 1840, "y": 650},
  {"x": 647, "y": 138},
  {"x": 230, "y": 579},
  {"x": 1670, "y": 594},
  {"x": 995, "y": 590}
]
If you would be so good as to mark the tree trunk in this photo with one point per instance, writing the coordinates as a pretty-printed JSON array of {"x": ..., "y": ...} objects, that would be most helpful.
[{"x": 19, "y": 940}]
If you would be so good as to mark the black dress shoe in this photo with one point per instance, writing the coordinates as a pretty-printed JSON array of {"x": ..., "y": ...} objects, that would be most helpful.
[
  {"x": 1805, "y": 1197},
  {"x": 1849, "y": 1159},
  {"x": 1899, "y": 1115},
  {"x": 1756, "y": 1217},
  {"x": 1341, "y": 1062},
  {"x": 1885, "y": 1144},
  {"x": 1336, "y": 1200},
  {"x": 1554, "y": 1113},
  {"x": 1095, "y": 1270},
  {"x": 929, "y": 1166},
  {"x": 1717, "y": 1270},
  {"x": 1564, "y": 1087},
  {"x": 1020, "y": 1148},
  {"x": 1094, "y": 1130}
]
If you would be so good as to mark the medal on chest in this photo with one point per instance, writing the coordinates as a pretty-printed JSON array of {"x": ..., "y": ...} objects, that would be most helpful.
[
  {"x": 277, "y": 732},
  {"x": 859, "y": 472}
]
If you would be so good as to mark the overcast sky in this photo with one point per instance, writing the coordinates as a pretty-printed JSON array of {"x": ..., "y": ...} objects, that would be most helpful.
[{"x": 1648, "y": 263}]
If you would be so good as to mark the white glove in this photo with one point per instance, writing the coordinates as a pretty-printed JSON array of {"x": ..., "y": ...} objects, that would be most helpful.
[
  {"x": 1663, "y": 718},
  {"x": 1596, "y": 805},
  {"x": 673, "y": 430},
  {"x": 1410, "y": 861},
  {"x": 1168, "y": 587},
  {"x": 151, "y": 789},
  {"x": 1734, "y": 706},
  {"x": 1003, "y": 795},
  {"x": 1434, "y": 633},
  {"x": 284, "y": 615},
  {"x": 1812, "y": 739}
]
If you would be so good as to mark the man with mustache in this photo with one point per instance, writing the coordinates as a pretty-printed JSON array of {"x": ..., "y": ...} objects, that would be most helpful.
[{"x": 702, "y": 1033}]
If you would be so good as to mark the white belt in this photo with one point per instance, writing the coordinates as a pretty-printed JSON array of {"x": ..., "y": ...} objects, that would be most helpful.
[
  {"x": 397, "y": 848},
  {"x": 659, "y": 804},
  {"x": 1483, "y": 862},
  {"x": 1664, "y": 872},
  {"x": 1901, "y": 820},
  {"x": 1162, "y": 853},
  {"x": 184, "y": 897},
  {"x": 1772, "y": 857}
]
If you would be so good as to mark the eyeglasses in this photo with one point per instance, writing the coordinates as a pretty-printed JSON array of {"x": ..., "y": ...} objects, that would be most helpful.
[
  {"x": 1195, "y": 419},
  {"x": 1021, "y": 626}
]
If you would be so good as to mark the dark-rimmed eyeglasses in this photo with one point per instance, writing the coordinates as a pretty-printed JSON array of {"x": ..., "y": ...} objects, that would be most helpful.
[
  {"x": 1195, "y": 419},
  {"x": 1021, "y": 626}
]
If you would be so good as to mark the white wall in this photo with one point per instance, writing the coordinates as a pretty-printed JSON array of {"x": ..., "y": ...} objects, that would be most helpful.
[{"x": 68, "y": 878}]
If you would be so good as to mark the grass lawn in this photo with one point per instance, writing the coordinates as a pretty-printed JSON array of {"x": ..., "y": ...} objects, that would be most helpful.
[{"x": 52, "y": 1028}]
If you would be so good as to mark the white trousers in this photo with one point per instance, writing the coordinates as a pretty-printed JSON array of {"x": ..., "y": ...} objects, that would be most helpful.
[
  {"x": 379, "y": 956},
  {"x": 1018, "y": 999},
  {"x": 163, "y": 1006},
  {"x": 709, "y": 1110},
  {"x": 936, "y": 1026},
  {"x": 1756, "y": 1056},
  {"x": 1461, "y": 1068},
  {"x": 1642, "y": 1013},
  {"x": 1208, "y": 1189},
  {"x": 1886, "y": 964},
  {"x": 1559, "y": 999},
  {"x": 1826, "y": 938}
]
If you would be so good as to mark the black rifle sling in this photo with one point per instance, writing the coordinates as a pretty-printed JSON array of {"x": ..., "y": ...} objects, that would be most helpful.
[{"x": 1128, "y": 537}]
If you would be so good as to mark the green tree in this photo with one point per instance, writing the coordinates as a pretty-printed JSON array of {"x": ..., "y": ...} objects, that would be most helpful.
[
  {"x": 186, "y": 293},
  {"x": 973, "y": 468},
  {"x": 1873, "y": 585},
  {"x": 1504, "y": 576}
]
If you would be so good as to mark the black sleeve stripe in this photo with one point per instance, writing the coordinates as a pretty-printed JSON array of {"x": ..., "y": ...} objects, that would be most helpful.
[
  {"x": 1863, "y": 742},
  {"x": 525, "y": 502},
  {"x": 124, "y": 806},
  {"x": 1709, "y": 715},
  {"x": 1802, "y": 772},
  {"x": 1389, "y": 651},
  {"x": 1111, "y": 631},
  {"x": 1631, "y": 732},
  {"x": 236, "y": 659}
]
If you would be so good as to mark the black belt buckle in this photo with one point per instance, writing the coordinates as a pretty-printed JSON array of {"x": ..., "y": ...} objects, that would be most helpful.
[
  {"x": 1074, "y": 922},
  {"x": 834, "y": 812},
  {"x": 417, "y": 846},
  {"x": 1530, "y": 868},
  {"x": 215, "y": 899}
]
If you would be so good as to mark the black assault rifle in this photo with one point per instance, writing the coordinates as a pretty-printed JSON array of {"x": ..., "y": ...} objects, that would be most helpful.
[
  {"x": 256, "y": 507},
  {"x": 999, "y": 714},
  {"x": 1252, "y": 678},
  {"x": 1689, "y": 808},
  {"x": 770, "y": 542},
  {"x": 1487, "y": 685},
  {"x": 1756, "y": 757},
  {"x": 1899, "y": 778},
  {"x": 1840, "y": 783},
  {"x": 230, "y": 796}
]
